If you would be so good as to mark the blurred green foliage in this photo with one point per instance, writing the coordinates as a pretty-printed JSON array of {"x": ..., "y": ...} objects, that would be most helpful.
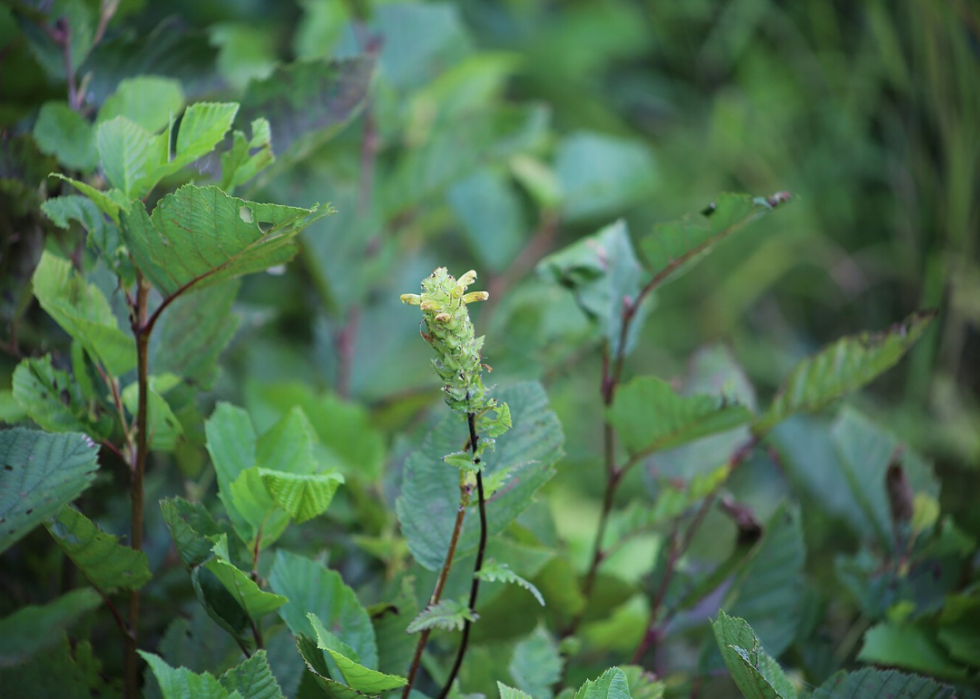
[{"x": 489, "y": 135}]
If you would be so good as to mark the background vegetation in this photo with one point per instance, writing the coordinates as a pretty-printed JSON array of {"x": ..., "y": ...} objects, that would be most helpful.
[{"x": 489, "y": 135}]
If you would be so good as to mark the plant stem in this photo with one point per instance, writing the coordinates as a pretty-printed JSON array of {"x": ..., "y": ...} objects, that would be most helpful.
[
  {"x": 464, "y": 501},
  {"x": 475, "y": 585},
  {"x": 142, "y": 334}
]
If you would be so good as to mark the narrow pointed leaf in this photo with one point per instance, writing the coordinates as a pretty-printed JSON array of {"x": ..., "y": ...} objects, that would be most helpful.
[
  {"x": 40, "y": 473},
  {"x": 649, "y": 416},
  {"x": 106, "y": 201},
  {"x": 53, "y": 400},
  {"x": 673, "y": 248},
  {"x": 190, "y": 526},
  {"x": 449, "y": 615},
  {"x": 84, "y": 313},
  {"x": 255, "y": 601},
  {"x": 493, "y": 571},
  {"x": 107, "y": 564},
  {"x": 842, "y": 367},
  {"x": 33, "y": 628},
  {"x": 200, "y": 236},
  {"x": 354, "y": 674}
]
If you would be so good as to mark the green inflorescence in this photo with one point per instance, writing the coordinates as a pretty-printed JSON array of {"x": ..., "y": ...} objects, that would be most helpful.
[{"x": 449, "y": 330}]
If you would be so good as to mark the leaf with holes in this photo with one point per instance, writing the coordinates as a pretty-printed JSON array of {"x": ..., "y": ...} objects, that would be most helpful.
[
  {"x": 40, "y": 473},
  {"x": 102, "y": 559},
  {"x": 842, "y": 367},
  {"x": 200, "y": 236}
]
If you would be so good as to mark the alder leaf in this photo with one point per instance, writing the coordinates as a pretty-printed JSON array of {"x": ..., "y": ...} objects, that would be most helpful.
[
  {"x": 755, "y": 672},
  {"x": 449, "y": 615}
]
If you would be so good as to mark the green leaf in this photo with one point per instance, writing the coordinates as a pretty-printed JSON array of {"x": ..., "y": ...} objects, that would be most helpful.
[
  {"x": 102, "y": 559},
  {"x": 200, "y": 236},
  {"x": 105, "y": 201},
  {"x": 308, "y": 101},
  {"x": 288, "y": 445},
  {"x": 449, "y": 615},
  {"x": 315, "y": 589},
  {"x": 191, "y": 527},
  {"x": 842, "y": 367},
  {"x": 78, "y": 15},
  {"x": 611, "y": 684},
  {"x": 202, "y": 127},
  {"x": 511, "y": 693},
  {"x": 69, "y": 669},
  {"x": 105, "y": 237},
  {"x": 220, "y": 604},
  {"x": 395, "y": 645},
  {"x": 911, "y": 647},
  {"x": 674, "y": 248},
  {"x": 54, "y": 401},
  {"x": 317, "y": 664},
  {"x": 345, "y": 429},
  {"x": 523, "y": 460},
  {"x": 129, "y": 155},
  {"x": 149, "y": 101},
  {"x": 242, "y": 588},
  {"x": 31, "y": 629},
  {"x": 493, "y": 571},
  {"x": 354, "y": 674},
  {"x": 536, "y": 664},
  {"x": 303, "y": 496},
  {"x": 755, "y": 672},
  {"x": 181, "y": 683},
  {"x": 260, "y": 520},
  {"x": 64, "y": 133},
  {"x": 649, "y": 416},
  {"x": 84, "y": 313},
  {"x": 163, "y": 426},
  {"x": 252, "y": 679},
  {"x": 600, "y": 175},
  {"x": 643, "y": 684},
  {"x": 246, "y": 158},
  {"x": 605, "y": 276},
  {"x": 40, "y": 473},
  {"x": 881, "y": 683},
  {"x": 198, "y": 644}
]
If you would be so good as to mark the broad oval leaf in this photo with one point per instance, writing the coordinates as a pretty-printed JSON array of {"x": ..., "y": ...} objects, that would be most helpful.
[
  {"x": 31, "y": 628},
  {"x": 252, "y": 679},
  {"x": 102, "y": 559},
  {"x": 200, "y": 236},
  {"x": 302, "y": 496},
  {"x": 181, "y": 683},
  {"x": 842, "y": 367},
  {"x": 649, "y": 416},
  {"x": 40, "y": 473}
]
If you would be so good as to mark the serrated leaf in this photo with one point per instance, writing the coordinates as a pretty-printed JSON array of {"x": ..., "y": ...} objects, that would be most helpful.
[
  {"x": 649, "y": 416},
  {"x": 755, "y": 672},
  {"x": 611, "y": 684},
  {"x": 354, "y": 674},
  {"x": 448, "y": 614},
  {"x": 64, "y": 133},
  {"x": 231, "y": 443},
  {"x": 303, "y": 496},
  {"x": 128, "y": 155},
  {"x": 511, "y": 693},
  {"x": 308, "y": 101},
  {"x": 200, "y": 236},
  {"x": 395, "y": 645},
  {"x": 523, "y": 458},
  {"x": 492, "y": 571},
  {"x": 106, "y": 202},
  {"x": 604, "y": 274},
  {"x": 252, "y": 679},
  {"x": 881, "y": 683},
  {"x": 181, "y": 683},
  {"x": 84, "y": 313},
  {"x": 842, "y": 367},
  {"x": 220, "y": 604},
  {"x": 536, "y": 664},
  {"x": 313, "y": 589},
  {"x": 673, "y": 248},
  {"x": 255, "y": 601},
  {"x": 40, "y": 473},
  {"x": 106, "y": 563},
  {"x": 33, "y": 628},
  {"x": 202, "y": 127},
  {"x": 317, "y": 665},
  {"x": 260, "y": 518},
  {"x": 150, "y": 101},
  {"x": 53, "y": 400},
  {"x": 643, "y": 683},
  {"x": 103, "y": 235},
  {"x": 246, "y": 158}
]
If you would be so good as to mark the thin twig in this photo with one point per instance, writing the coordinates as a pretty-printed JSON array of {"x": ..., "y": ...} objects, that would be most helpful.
[{"x": 475, "y": 585}]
